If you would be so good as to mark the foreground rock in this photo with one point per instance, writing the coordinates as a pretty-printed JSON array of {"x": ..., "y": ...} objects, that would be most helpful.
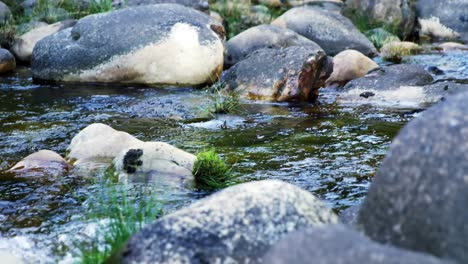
[
  {"x": 397, "y": 13},
  {"x": 207, "y": 231},
  {"x": 43, "y": 161},
  {"x": 201, "y": 5},
  {"x": 162, "y": 44},
  {"x": 443, "y": 19},
  {"x": 349, "y": 65},
  {"x": 330, "y": 30},
  {"x": 7, "y": 61},
  {"x": 418, "y": 198},
  {"x": 263, "y": 36},
  {"x": 336, "y": 244},
  {"x": 156, "y": 162},
  {"x": 5, "y": 13},
  {"x": 290, "y": 74},
  {"x": 24, "y": 45}
]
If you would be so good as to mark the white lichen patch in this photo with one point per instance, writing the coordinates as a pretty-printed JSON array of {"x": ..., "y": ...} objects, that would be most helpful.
[
  {"x": 403, "y": 96},
  {"x": 179, "y": 59},
  {"x": 432, "y": 27}
]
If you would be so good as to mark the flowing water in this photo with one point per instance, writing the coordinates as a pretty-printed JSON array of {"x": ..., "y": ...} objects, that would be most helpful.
[{"x": 328, "y": 149}]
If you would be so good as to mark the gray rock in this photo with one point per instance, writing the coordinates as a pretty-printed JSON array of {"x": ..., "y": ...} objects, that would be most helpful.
[
  {"x": 201, "y": 5},
  {"x": 7, "y": 61},
  {"x": 389, "y": 77},
  {"x": 336, "y": 244},
  {"x": 350, "y": 214},
  {"x": 399, "y": 85},
  {"x": 164, "y": 44},
  {"x": 289, "y": 74},
  {"x": 330, "y": 30},
  {"x": 263, "y": 36},
  {"x": 5, "y": 13},
  {"x": 395, "y": 13},
  {"x": 452, "y": 14},
  {"x": 235, "y": 225},
  {"x": 419, "y": 196}
]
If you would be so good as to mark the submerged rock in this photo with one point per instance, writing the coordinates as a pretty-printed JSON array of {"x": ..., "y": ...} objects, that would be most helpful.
[
  {"x": 208, "y": 231},
  {"x": 290, "y": 74},
  {"x": 337, "y": 244},
  {"x": 349, "y": 65},
  {"x": 400, "y": 84},
  {"x": 164, "y": 44},
  {"x": 443, "y": 19},
  {"x": 24, "y": 45},
  {"x": 98, "y": 143},
  {"x": 7, "y": 61},
  {"x": 418, "y": 198},
  {"x": 45, "y": 161},
  {"x": 157, "y": 162},
  {"x": 398, "y": 14},
  {"x": 263, "y": 36},
  {"x": 330, "y": 30}
]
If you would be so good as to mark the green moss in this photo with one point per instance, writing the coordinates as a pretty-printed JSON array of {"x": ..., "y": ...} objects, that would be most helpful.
[
  {"x": 380, "y": 37},
  {"x": 100, "y": 6},
  {"x": 211, "y": 172}
]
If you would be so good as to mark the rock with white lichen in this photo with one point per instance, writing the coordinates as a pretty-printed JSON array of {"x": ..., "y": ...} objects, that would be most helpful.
[
  {"x": 164, "y": 44},
  {"x": 208, "y": 231}
]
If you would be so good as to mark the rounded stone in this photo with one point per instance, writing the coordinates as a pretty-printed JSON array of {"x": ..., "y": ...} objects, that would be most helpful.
[
  {"x": 235, "y": 225},
  {"x": 7, "y": 61},
  {"x": 419, "y": 196}
]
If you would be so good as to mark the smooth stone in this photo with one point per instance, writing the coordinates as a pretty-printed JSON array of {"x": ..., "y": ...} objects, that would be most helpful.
[
  {"x": 349, "y": 65},
  {"x": 330, "y": 30},
  {"x": 337, "y": 244},
  {"x": 418, "y": 197},
  {"x": 45, "y": 161},
  {"x": 7, "y": 61}
]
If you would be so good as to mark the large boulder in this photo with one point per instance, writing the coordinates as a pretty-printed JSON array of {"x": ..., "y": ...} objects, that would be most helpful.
[
  {"x": 164, "y": 44},
  {"x": 419, "y": 196},
  {"x": 201, "y": 5},
  {"x": 451, "y": 14},
  {"x": 330, "y": 30},
  {"x": 98, "y": 142},
  {"x": 398, "y": 14},
  {"x": 290, "y": 74},
  {"x": 263, "y": 36},
  {"x": 259, "y": 37},
  {"x": 24, "y": 44},
  {"x": 44, "y": 161},
  {"x": 349, "y": 65},
  {"x": 7, "y": 61},
  {"x": 5, "y": 13},
  {"x": 208, "y": 231},
  {"x": 156, "y": 162},
  {"x": 336, "y": 244}
]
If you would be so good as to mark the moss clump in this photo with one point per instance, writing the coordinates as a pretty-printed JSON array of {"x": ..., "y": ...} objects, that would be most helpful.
[
  {"x": 395, "y": 51},
  {"x": 211, "y": 172},
  {"x": 380, "y": 37}
]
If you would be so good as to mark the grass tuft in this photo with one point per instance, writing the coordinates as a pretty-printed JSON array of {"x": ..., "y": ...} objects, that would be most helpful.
[
  {"x": 211, "y": 172},
  {"x": 223, "y": 101},
  {"x": 100, "y": 6},
  {"x": 119, "y": 213}
]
